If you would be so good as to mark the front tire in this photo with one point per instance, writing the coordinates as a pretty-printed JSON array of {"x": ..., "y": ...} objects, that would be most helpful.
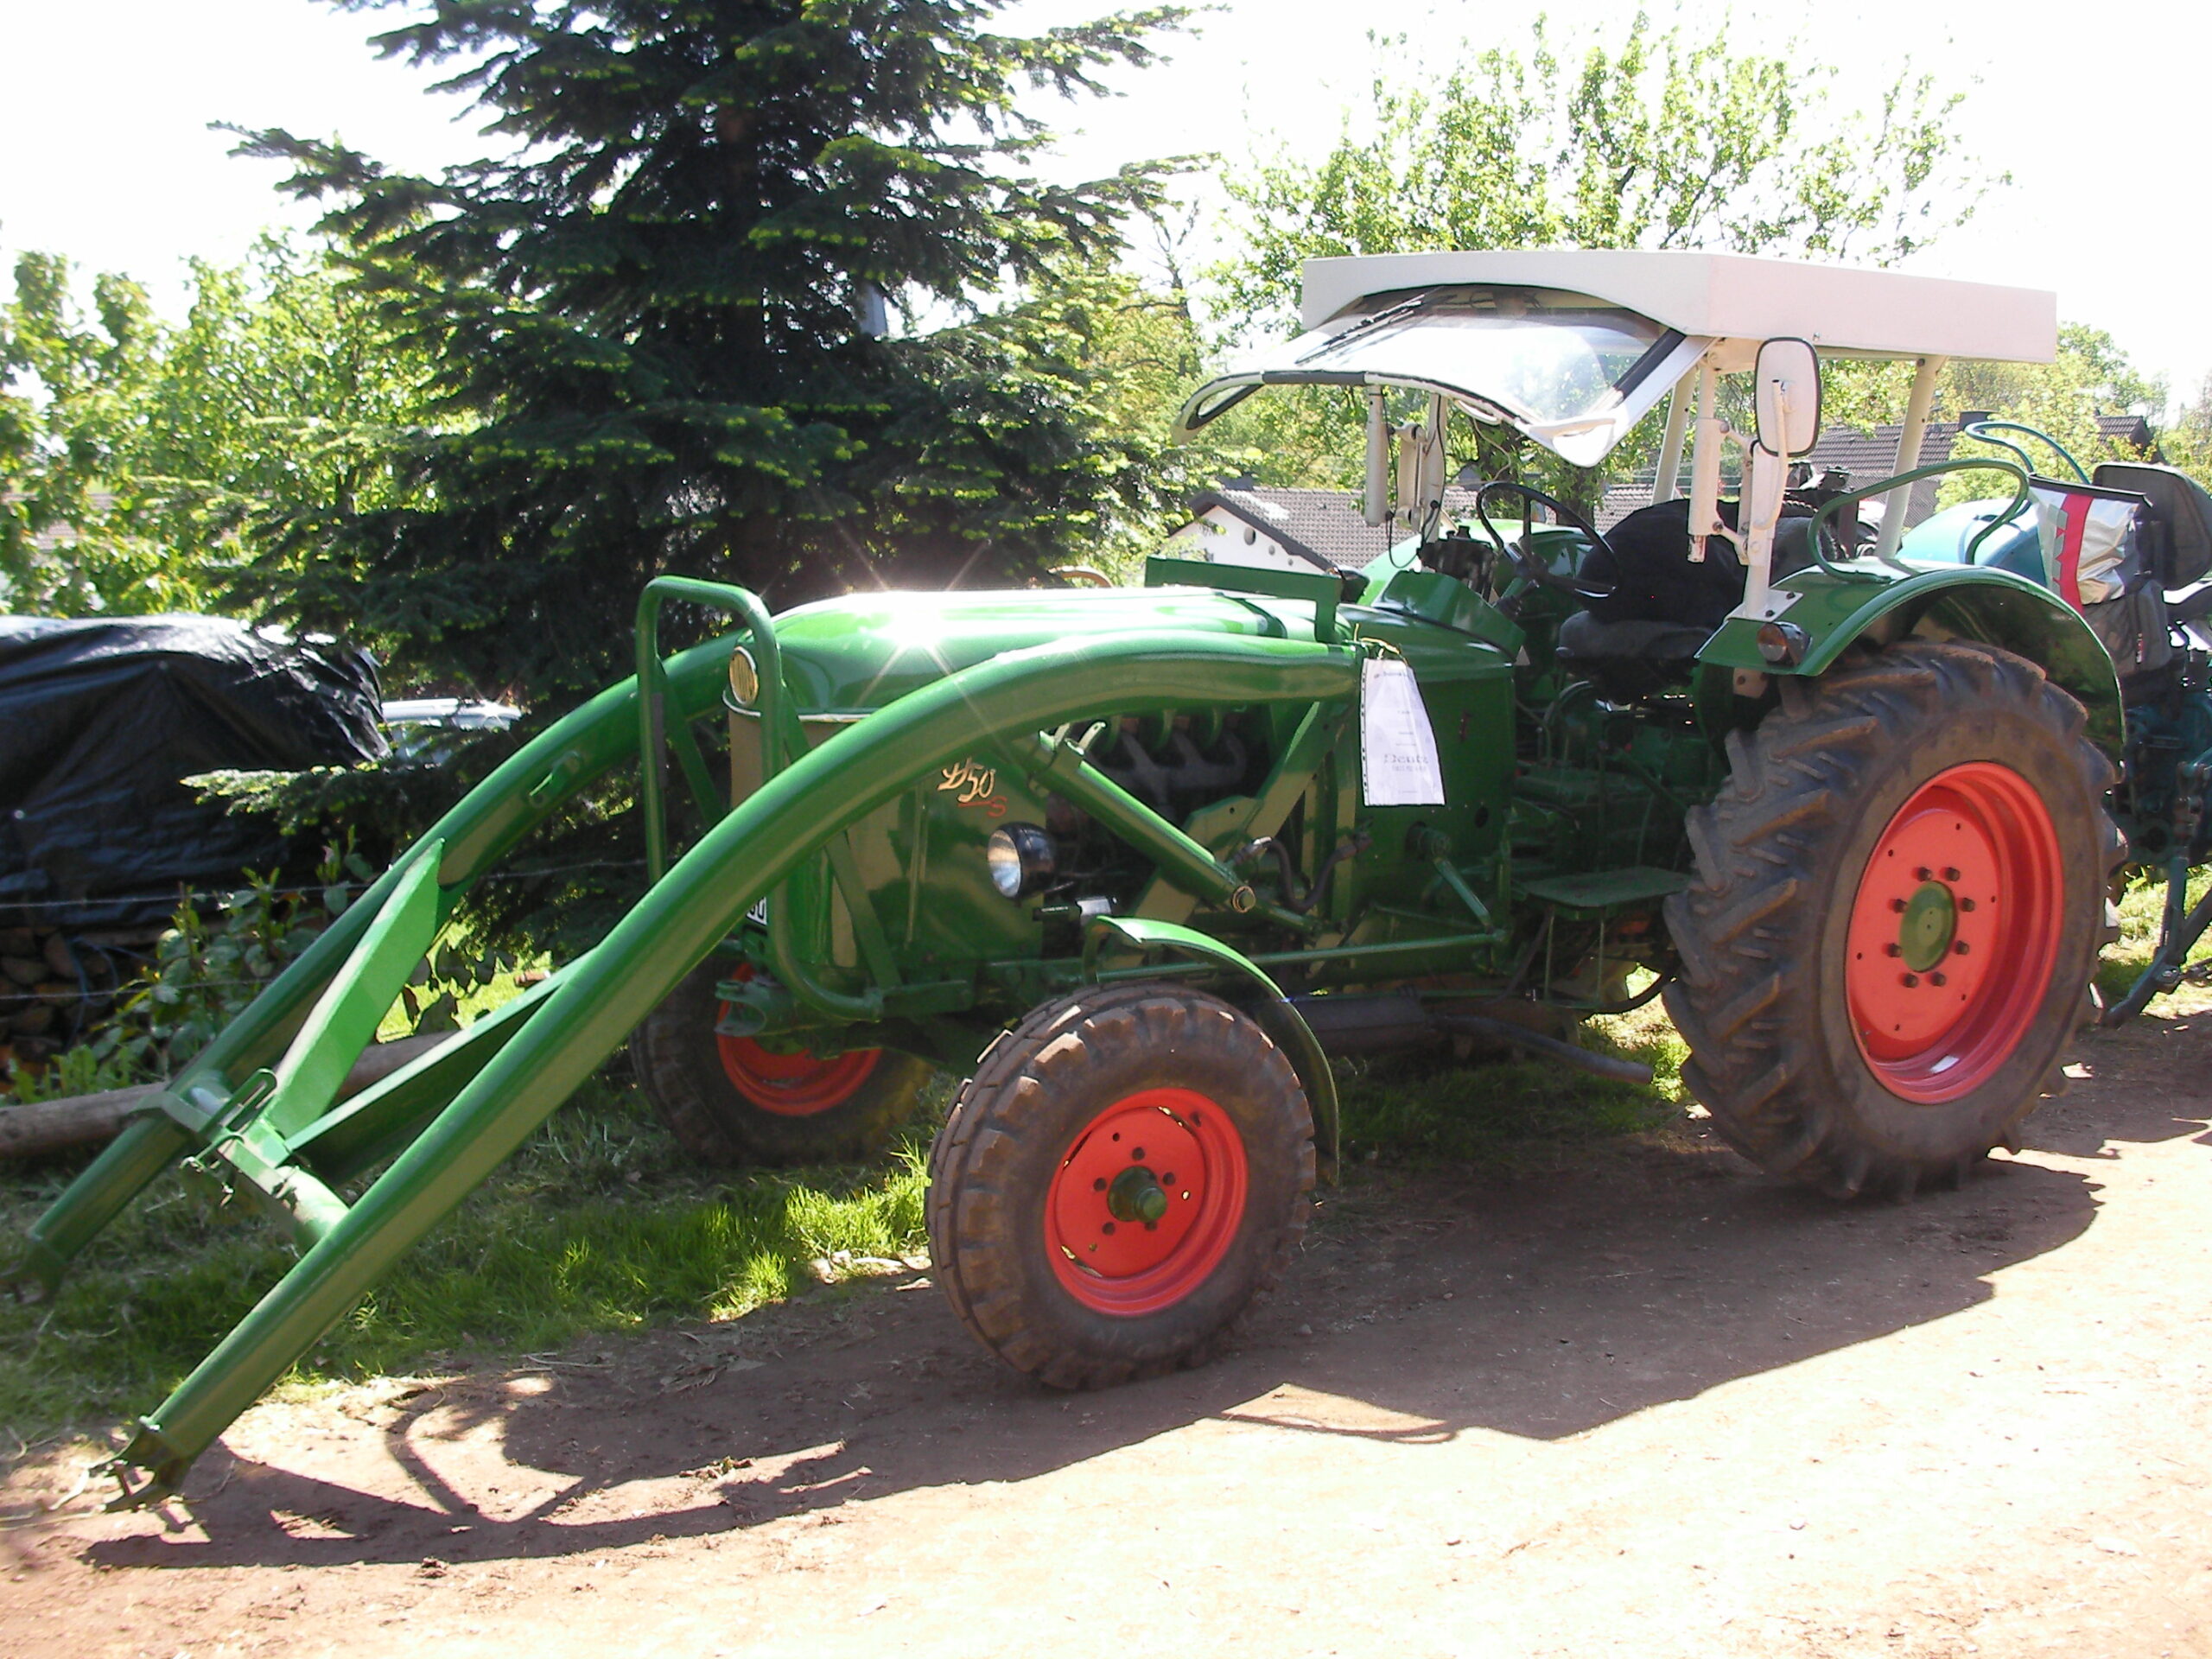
[
  {"x": 1900, "y": 898},
  {"x": 1126, "y": 1171},
  {"x": 728, "y": 1100}
]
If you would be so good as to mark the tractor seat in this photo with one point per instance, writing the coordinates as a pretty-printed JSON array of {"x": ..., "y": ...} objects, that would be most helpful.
[
  {"x": 1645, "y": 634},
  {"x": 1633, "y": 657}
]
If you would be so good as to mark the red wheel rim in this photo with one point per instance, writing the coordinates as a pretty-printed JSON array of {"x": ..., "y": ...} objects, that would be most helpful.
[
  {"x": 1174, "y": 1143},
  {"x": 789, "y": 1085},
  {"x": 1955, "y": 932}
]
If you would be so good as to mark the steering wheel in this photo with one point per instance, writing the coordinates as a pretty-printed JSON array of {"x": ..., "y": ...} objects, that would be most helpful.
[{"x": 1526, "y": 563}]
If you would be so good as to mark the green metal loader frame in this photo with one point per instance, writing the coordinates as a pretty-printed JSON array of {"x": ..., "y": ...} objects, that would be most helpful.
[{"x": 257, "y": 1112}]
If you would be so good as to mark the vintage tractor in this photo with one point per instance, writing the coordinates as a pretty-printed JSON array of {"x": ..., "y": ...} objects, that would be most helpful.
[{"x": 1135, "y": 862}]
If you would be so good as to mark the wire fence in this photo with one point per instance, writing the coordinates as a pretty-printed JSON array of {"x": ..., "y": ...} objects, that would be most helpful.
[{"x": 210, "y": 899}]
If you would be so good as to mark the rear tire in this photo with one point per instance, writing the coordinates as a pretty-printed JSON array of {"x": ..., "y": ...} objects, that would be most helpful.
[
  {"x": 1900, "y": 898},
  {"x": 729, "y": 1100},
  {"x": 1126, "y": 1172}
]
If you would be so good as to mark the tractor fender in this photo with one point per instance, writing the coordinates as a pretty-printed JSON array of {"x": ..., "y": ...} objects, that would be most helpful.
[
  {"x": 1972, "y": 602},
  {"x": 1277, "y": 1014}
]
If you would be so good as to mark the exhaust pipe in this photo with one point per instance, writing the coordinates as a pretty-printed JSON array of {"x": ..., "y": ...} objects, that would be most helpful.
[{"x": 1387, "y": 1023}]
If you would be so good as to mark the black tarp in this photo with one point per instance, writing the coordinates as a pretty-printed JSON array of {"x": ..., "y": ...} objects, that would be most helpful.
[{"x": 100, "y": 719}]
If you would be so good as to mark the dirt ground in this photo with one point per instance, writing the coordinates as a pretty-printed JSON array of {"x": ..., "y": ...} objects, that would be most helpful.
[{"x": 1652, "y": 1405}]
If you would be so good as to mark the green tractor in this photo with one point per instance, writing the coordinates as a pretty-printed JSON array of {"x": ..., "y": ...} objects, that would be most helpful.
[{"x": 1135, "y": 863}]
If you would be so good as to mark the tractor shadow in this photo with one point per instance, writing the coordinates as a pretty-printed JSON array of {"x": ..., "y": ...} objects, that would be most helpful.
[{"x": 1422, "y": 1309}]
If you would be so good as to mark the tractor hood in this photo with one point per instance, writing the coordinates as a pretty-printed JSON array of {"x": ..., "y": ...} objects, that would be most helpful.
[{"x": 863, "y": 650}]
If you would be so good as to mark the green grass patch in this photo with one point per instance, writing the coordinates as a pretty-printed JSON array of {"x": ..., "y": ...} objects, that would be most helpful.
[
  {"x": 599, "y": 1224},
  {"x": 2140, "y": 909}
]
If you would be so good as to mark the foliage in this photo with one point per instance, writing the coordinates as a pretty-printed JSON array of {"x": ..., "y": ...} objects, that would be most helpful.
[
  {"x": 2089, "y": 378},
  {"x": 139, "y": 451},
  {"x": 1656, "y": 138},
  {"x": 205, "y": 971},
  {"x": 80, "y": 1071},
  {"x": 1662, "y": 140},
  {"x": 648, "y": 320}
]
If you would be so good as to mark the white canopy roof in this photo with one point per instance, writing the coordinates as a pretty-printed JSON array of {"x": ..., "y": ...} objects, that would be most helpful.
[{"x": 1842, "y": 309}]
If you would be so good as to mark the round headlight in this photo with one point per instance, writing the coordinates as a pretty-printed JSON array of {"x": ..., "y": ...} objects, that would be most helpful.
[
  {"x": 744, "y": 678},
  {"x": 1021, "y": 857}
]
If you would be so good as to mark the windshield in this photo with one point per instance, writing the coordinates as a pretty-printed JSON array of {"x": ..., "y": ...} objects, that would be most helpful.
[{"x": 1572, "y": 371}]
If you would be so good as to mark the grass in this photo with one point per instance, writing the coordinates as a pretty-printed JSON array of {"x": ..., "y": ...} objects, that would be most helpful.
[
  {"x": 600, "y": 1224},
  {"x": 2140, "y": 908},
  {"x": 1509, "y": 1117}
]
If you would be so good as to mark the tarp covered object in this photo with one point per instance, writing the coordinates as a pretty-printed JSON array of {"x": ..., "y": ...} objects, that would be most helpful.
[{"x": 100, "y": 719}]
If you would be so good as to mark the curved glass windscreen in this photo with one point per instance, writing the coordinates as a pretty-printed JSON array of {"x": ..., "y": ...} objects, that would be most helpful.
[{"x": 1571, "y": 370}]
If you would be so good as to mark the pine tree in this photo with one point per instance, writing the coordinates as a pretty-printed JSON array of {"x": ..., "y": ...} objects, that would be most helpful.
[{"x": 653, "y": 323}]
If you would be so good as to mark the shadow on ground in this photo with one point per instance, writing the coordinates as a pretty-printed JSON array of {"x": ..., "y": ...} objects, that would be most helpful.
[{"x": 1421, "y": 1311}]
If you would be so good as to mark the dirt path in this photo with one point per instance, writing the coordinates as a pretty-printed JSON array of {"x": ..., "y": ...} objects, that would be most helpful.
[{"x": 1655, "y": 1405}]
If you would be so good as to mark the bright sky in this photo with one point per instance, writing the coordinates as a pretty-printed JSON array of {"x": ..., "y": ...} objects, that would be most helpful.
[{"x": 103, "y": 123}]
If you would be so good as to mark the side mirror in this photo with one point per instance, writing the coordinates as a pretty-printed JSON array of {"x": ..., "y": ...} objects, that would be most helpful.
[{"x": 1786, "y": 396}]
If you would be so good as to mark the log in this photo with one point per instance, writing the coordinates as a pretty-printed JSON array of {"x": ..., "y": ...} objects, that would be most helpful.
[{"x": 84, "y": 1120}]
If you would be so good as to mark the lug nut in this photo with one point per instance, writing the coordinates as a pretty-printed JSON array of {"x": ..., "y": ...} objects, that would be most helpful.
[
  {"x": 1893, "y": 949},
  {"x": 1965, "y": 903},
  {"x": 1935, "y": 980},
  {"x": 1897, "y": 904},
  {"x": 1950, "y": 875},
  {"x": 1958, "y": 947},
  {"x": 1911, "y": 980},
  {"x": 1923, "y": 874}
]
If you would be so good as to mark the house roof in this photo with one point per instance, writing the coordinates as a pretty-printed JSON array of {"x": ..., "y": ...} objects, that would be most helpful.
[
  {"x": 1324, "y": 524},
  {"x": 1870, "y": 456}
]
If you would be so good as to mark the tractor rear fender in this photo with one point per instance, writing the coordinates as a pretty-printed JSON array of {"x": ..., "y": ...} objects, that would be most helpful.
[{"x": 1828, "y": 614}]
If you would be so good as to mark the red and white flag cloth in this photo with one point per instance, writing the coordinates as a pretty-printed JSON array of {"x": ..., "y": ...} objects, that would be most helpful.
[{"x": 2088, "y": 543}]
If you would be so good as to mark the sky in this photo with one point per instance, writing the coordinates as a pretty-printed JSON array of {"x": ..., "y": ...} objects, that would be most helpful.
[{"x": 105, "y": 107}]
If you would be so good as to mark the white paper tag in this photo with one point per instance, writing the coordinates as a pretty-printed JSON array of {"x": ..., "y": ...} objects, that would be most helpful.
[{"x": 1397, "y": 749}]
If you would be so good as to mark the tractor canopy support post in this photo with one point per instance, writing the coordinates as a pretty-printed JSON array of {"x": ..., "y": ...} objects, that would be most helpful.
[
  {"x": 1916, "y": 410},
  {"x": 1665, "y": 481}
]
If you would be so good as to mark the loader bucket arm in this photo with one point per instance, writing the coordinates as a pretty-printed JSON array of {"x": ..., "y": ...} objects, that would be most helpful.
[{"x": 490, "y": 1088}]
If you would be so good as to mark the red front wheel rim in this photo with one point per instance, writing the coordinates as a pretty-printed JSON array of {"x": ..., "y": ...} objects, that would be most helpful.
[
  {"x": 791, "y": 1085},
  {"x": 1955, "y": 932},
  {"x": 1146, "y": 1202}
]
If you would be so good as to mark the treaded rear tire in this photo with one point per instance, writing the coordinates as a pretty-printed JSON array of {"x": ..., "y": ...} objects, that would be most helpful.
[
  {"x": 1762, "y": 997},
  {"x": 1022, "y": 1118}
]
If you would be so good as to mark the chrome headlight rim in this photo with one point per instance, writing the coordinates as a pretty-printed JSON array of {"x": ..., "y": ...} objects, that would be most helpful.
[{"x": 1021, "y": 858}]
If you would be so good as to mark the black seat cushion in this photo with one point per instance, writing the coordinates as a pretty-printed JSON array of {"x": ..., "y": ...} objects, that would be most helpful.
[
  {"x": 1652, "y": 577},
  {"x": 1584, "y": 638}
]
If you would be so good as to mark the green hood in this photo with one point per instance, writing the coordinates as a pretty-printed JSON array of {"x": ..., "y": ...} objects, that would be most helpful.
[{"x": 863, "y": 650}]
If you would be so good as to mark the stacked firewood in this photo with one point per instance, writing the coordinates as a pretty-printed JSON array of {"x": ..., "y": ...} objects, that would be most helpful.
[{"x": 54, "y": 984}]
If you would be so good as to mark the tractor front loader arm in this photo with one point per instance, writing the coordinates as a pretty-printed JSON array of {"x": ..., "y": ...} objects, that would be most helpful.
[
  {"x": 196, "y": 1105},
  {"x": 513, "y": 1068}
]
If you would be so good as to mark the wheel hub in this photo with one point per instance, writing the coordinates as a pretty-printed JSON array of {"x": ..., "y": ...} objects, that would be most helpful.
[
  {"x": 1925, "y": 933},
  {"x": 1136, "y": 1195}
]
